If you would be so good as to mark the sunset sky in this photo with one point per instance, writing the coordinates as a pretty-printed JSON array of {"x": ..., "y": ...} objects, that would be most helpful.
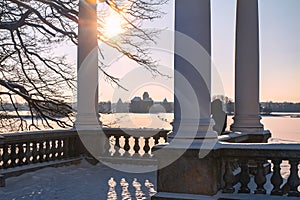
[
  {"x": 280, "y": 53},
  {"x": 280, "y": 47}
]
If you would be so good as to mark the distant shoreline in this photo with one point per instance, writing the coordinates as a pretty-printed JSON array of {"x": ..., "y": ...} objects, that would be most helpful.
[{"x": 275, "y": 114}]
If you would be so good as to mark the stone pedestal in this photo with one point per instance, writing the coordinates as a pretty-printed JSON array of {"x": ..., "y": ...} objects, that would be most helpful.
[{"x": 190, "y": 174}]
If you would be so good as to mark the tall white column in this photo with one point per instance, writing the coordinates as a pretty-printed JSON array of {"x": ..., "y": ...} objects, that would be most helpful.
[
  {"x": 87, "y": 83},
  {"x": 192, "y": 109},
  {"x": 188, "y": 158},
  {"x": 247, "y": 117}
]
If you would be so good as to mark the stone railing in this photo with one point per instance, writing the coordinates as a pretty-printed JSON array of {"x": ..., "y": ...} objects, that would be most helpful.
[
  {"x": 27, "y": 151},
  {"x": 133, "y": 143},
  {"x": 284, "y": 158},
  {"x": 25, "y": 148}
]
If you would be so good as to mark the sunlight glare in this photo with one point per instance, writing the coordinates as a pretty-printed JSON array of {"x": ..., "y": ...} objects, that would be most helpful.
[{"x": 113, "y": 25}]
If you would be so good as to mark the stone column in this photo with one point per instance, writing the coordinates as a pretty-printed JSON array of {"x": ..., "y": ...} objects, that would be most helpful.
[
  {"x": 247, "y": 111},
  {"x": 192, "y": 106},
  {"x": 87, "y": 83},
  {"x": 196, "y": 170}
]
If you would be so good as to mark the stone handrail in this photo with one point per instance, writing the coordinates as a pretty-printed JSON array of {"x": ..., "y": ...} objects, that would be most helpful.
[
  {"x": 28, "y": 151},
  {"x": 24, "y": 148},
  {"x": 133, "y": 142},
  {"x": 247, "y": 154}
]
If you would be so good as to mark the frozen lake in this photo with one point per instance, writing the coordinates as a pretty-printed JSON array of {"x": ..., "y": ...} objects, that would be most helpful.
[{"x": 282, "y": 127}]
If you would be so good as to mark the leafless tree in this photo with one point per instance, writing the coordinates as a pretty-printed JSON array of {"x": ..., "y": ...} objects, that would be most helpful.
[{"x": 33, "y": 75}]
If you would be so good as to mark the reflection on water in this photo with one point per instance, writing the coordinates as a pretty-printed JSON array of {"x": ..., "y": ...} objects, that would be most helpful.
[{"x": 136, "y": 193}]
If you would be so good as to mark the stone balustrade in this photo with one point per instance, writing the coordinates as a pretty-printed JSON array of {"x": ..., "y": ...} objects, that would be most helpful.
[
  {"x": 249, "y": 154},
  {"x": 25, "y": 148},
  {"x": 133, "y": 142},
  {"x": 28, "y": 151}
]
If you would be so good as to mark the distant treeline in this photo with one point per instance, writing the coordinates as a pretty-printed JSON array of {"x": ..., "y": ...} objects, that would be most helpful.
[{"x": 268, "y": 107}]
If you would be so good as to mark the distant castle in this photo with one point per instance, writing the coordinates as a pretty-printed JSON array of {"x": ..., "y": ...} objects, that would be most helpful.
[
  {"x": 144, "y": 105},
  {"x": 138, "y": 105}
]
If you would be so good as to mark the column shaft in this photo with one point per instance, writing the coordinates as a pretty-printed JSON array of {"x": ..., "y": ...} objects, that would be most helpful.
[
  {"x": 87, "y": 83},
  {"x": 192, "y": 107},
  {"x": 247, "y": 116}
]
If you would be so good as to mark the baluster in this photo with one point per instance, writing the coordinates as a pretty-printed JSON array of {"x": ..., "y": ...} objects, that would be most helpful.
[
  {"x": 34, "y": 152},
  {"x": 136, "y": 146},
  {"x": 41, "y": 151},
  {"x": 147, "y": 147},
  {"x": 228, "y": 178},
  {"x": 244, "y": 176},
  {"x": 47, "y": 151},
  {"x": 117, "y": 145},
  {"x": 5, "y": 156},
  {"x": 62, "y": 145},
  {"x": 28, "y": 153},
  {"x": 276, "y": 178},
  {"x": 23, "y": 160},
  {"x": 131, "y": 141},
  {"x": 111, "y": 148},
  {"x": 142, "y": 145},
  {"x": 13, "y": 155},
  {"x": 20, "y": 155},
  {"x": 54, "y": 149},
  {"x": 126, "y": 145},
  {"x": 260, "y": 178},
  {"x": 156, "y": 139},
  {"x": 293, "y": 180},
  {"x": 50, "y": 150}
]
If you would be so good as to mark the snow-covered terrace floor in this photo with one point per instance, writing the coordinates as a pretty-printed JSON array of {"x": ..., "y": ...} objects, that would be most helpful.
[
  {"x": 86, "y": 181},
  {"x": 79, "y": 182}
]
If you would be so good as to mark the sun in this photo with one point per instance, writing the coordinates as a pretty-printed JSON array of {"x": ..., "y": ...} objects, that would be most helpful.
[{"x": 113, "y": 24}]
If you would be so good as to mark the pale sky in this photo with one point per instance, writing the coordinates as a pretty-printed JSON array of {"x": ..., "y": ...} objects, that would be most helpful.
[
  {"x": 280, "y": 53},
  {"x": 280, "y": 47}
]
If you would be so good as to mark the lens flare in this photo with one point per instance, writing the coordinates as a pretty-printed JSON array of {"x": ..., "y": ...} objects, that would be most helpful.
[{"x": 113, "y": 25}]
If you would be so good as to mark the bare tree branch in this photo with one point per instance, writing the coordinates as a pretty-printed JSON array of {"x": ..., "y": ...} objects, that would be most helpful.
[{"x": 30, "y": 75}]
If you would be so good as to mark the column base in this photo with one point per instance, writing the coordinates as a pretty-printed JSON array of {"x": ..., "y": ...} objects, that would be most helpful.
[
  {"x": 193, "y": 134},
  {"x": 193, "y": 129},
  {"x": 248, "y": 124},
  {"x": 87, "y": 121}
]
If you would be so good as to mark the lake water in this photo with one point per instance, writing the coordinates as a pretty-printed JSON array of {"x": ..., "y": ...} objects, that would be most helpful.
[{"x": 283, "y": 128}]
